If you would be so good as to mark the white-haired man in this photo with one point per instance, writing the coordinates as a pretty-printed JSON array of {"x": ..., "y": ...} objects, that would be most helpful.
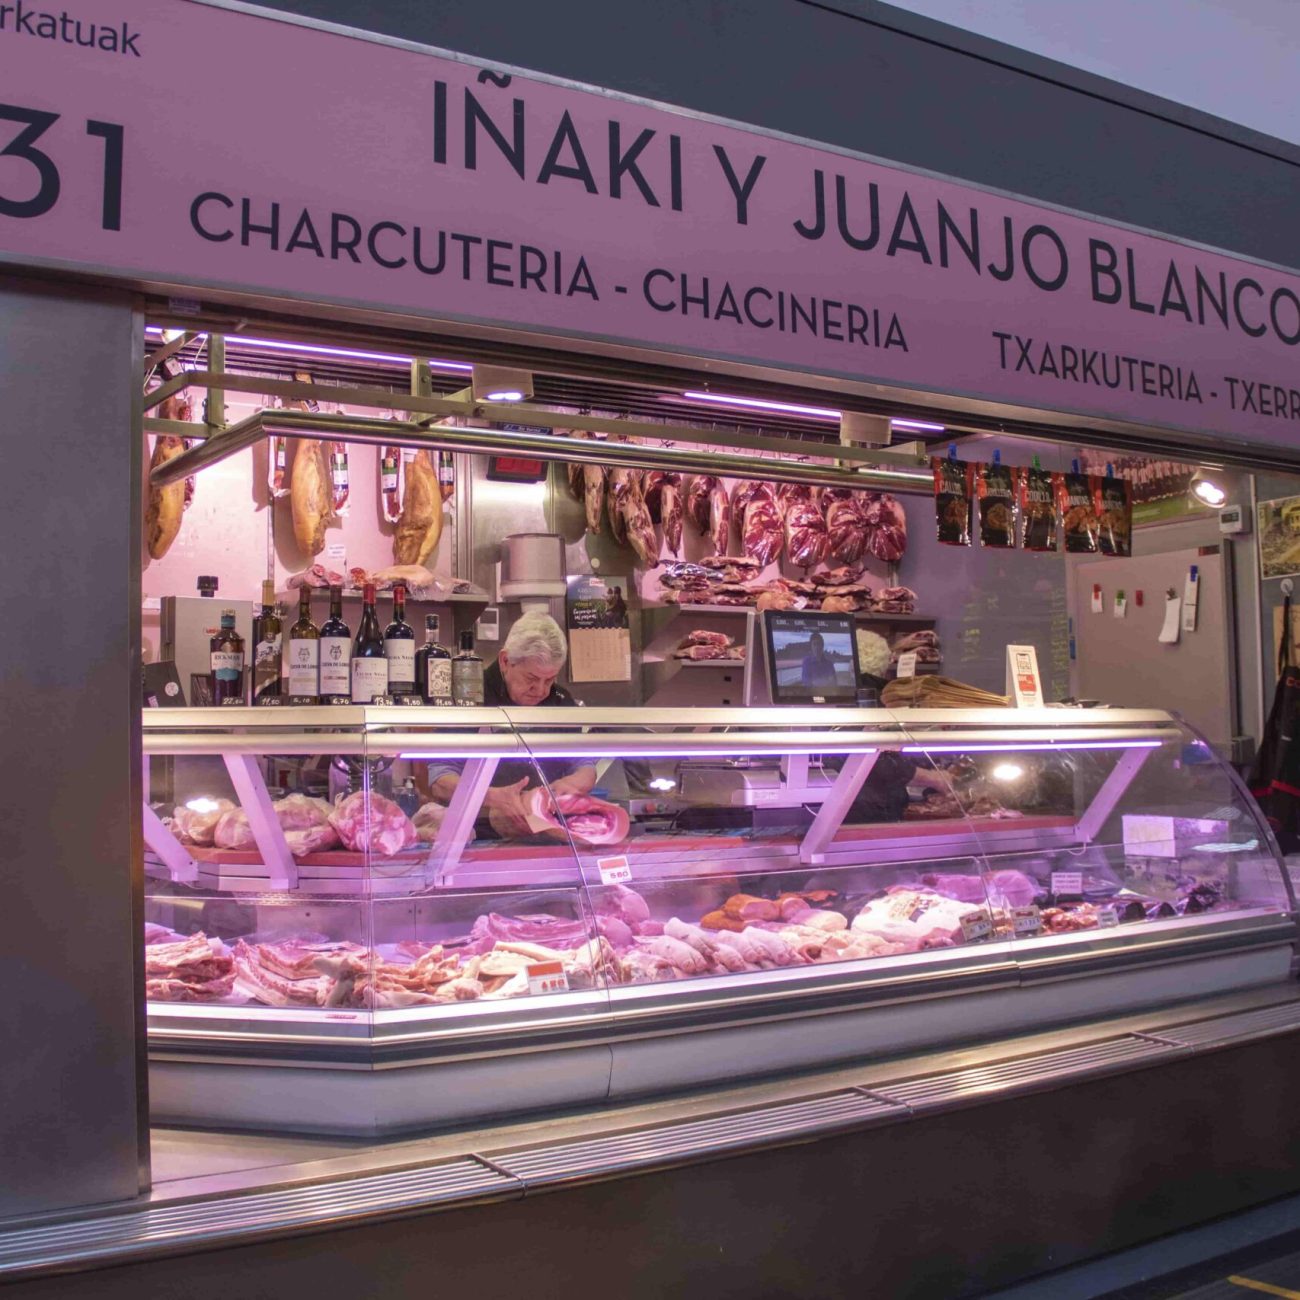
[{"x": 523, "y": 676}]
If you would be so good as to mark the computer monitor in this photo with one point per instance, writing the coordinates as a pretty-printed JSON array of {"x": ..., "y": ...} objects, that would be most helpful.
[{"x": 811, "y": 658}]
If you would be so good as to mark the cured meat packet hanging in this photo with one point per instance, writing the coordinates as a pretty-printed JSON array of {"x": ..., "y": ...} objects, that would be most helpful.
[
  {"x": 1114, "y": 505},
  {"x": 1037, "y": 509},
  {"x": 338, "y": 456},
  {"x": 997, "y": 504},
  {"x": 277, "y": 461},
  {"x": 1078, "y": 512},
  {"x": 952, "y": 494}
]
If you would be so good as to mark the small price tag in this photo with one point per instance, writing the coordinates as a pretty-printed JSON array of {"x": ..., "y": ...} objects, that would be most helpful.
[
  {"x": 614, "y": 871},
  {"x": 299, "y": 700},
  {"x": 1107, "y": 916},
  {"x": 907, "y": 664},
  {"x": 337, "y": 551},
  {"x": 407, "y": 700},
  {"x": 337, "y": 699},
  {"x": 1067, "y": 884},
  {"x": 1026, "y": 921},
  {"x": 547, "y": 977},
  {"x": 1121, "y": 604},
  {"x": 269, "y": 701},
  {"x": 976, "y": 925}
]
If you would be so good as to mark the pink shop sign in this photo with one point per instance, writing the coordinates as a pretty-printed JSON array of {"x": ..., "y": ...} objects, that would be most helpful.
[{"x": 198, "y": 145}]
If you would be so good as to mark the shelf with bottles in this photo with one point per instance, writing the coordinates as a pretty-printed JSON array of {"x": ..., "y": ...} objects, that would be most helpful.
[{"x": 290, "y": 596}]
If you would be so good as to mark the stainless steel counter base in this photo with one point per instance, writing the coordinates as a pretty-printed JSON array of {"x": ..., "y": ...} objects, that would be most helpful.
[{"x": 366, "y": 1089}]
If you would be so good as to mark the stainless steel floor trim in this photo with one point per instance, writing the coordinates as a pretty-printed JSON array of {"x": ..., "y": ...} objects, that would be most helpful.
[
  {"x": 670, "y": 1143},
  {"x": 1262, "y": 1023},
  {"x": 203, "y": 1225}
]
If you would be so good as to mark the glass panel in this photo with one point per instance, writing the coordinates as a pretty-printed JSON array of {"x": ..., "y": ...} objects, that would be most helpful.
[
  {"x": 1087, "y": 829},
  {"x": 501, "y": 916},
  {"x": 713, "y": 851}
]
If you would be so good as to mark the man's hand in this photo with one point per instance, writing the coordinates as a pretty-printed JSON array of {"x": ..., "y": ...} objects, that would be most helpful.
[
  {"x": 505, "y": 809},
  {"x": 579, "y": 782}
]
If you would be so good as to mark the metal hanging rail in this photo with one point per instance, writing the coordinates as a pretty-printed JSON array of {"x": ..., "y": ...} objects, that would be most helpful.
[{"x": 897, "y": 473}]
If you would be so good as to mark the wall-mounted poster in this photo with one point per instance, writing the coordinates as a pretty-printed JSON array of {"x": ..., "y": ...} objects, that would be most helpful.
[
  {"x": 600, "y": 640},
  {"x": 1279, "y": 537}
]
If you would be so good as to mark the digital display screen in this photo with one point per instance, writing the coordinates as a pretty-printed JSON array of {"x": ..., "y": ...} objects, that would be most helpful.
[{"x": 811, "y": 658}]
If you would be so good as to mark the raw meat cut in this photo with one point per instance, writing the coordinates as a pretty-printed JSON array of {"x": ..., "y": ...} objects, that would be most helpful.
[
  {"x": 194, "y": 960},
  {"x": 748, "y": 907},
  {"x": 587, "y": 820},
  {"x": 638, "y": 527},
  {"x": 762, "y": 533},
  {"x": 846, "y": 531},
  {"x": 652, "y": 488},
  {"x": 719, "y": 518},
  {"x": 621, "y": 902},
  {"x": 704, "y": 652},
  {"x": 744, "y": 492},
  {"x": 702, "y": 637},
  {"x": 428, "y": 821},
  {"x": 381, "y": 826},
  {"x": 788, "y": 493},
  {"x": 295, "y": 959},
  {"x": 1003, "y": 888},
  {"x": 180, "y": 990},
  {"x": 807, "y": 542},
  {"x": 593, "y": 490},
  {"x": 233, "y": 831},
  {"x": 416, "y": 578},
  {"x": 272, "y": 989},
  {"x": 886, "y": 526},
  {"x": 419, "y": 527},
  {"x": 310, "y": 495},
  {"x": 318, "y": 577},
  {"x": 671, "y": 512},
  {"x": 776, "y": 600},
  {"x": 698, "y": 506},
  {"x": 311, "y": 839}
]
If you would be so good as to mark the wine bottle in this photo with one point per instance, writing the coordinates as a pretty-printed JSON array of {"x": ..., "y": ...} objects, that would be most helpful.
[
  {"x": 399, "y": 647},
  {"x": 268, "y": 634},
  {"x": 369, "y": 666},
  {"x": 433, "y": 665},
  {"x": 467, "y": 672},
  {"x": 335, "y": 652},
  {"x": 227, "y": 656},
  {"x": 304, "y": 654}
]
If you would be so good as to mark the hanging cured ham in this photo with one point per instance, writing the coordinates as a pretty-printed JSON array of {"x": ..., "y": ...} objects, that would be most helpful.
[
  {"x": 166, "y": 505},
  {"x": 762, "y": 533},
  {"x": 697, "y": 501},
  {"x": 638, "y": 528},
  {"x": 807, "y": 541},
  {"x": 846, "y": 531},
  {"x": 420, "y": 526},
  {"x": 593, "y": 494},
  {"x": 310, "y": 495},
  {"x": 618, "y": 483},
  {"x": 663, "y": 498},
  {"x": 886, "y": 528}
]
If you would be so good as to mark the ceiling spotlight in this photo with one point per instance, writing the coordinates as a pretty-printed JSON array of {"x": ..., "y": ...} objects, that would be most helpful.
[
  {"x": 1207, "y": 490},
  {"x": 1007, "y": 772},
  {"x": 499, "y": 384}
]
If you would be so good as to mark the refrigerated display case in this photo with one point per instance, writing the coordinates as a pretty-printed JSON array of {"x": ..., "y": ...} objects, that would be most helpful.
[{"x": 741, "y": 892}]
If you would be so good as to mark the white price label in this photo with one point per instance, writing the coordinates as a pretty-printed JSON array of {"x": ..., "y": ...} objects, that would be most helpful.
[
  {"x": 614, "y": 871},
  {"x": 976, "y": 925},
  {"x": 337, "y": 551},
  {"x": 547, "y": 977},
  {"x": 1026, "y": 921},
  {"x": 907, "y": 664},
  {"x": 1067, "y": 882},
  {"x": 1107, "y": 916}
]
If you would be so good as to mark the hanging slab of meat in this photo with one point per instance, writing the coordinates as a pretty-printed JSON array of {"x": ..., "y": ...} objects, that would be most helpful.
[
  {"x": 652, "y": 488},
  {"x": 886, "y": 526},
  {"x": 847, "y": 531},
  {"x": 671, "y": 511},
  {"x": 593, "y": 492},
  {"x": 381, "y": 827},
  {"x": 418, "y": 530},
  {"x": 763, "y": 535},
  {"x": 698, "y": 492},
  {"x": 589, "y": 821},
  {"x": 640, "y": 529},
  {"x": 745, "y": 491},
  {"x": 807, "y": 542},
  {"x": 788, "y": 493},
  {"x": 618, "y": 484},
  {"x": 162, "y": 515},
  {"x": 310, "y": 495}
]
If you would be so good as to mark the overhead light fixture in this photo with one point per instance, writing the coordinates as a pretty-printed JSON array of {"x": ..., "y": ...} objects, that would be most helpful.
[
  {"x": 762, "y": 404},
  {"x": 922, "y": 425},
  {"x": 663, "y": 783},
  {"x": 320, "y": 350},
  {"x": 499, "y": 384},
  {"x": 1207, "y": 490},
  {"x": 1007, "y": 772}
]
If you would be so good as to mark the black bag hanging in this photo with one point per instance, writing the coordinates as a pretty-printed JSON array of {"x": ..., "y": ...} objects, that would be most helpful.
[{"x": 1275, "y": 775}]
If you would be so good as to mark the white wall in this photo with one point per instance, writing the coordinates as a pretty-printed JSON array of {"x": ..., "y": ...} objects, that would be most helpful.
[{"x": 1233, "y": 58}]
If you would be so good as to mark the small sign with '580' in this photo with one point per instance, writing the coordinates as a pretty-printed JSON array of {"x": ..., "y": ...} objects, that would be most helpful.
[{"x": 614, "y": 871}]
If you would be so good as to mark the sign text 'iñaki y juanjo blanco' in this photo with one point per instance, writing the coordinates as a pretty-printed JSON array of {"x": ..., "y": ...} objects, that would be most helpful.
[{"x": 359, "y": 171}]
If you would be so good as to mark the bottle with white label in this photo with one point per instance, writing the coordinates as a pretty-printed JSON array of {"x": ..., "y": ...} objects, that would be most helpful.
[
  {"x": 369, "y": 665},
  {"x": 433, "y": 665},
  {"x": 399, "y": 647},
  {"x": 467, "y": 672},
  {"x": 268, "y": 631},
  {"x": 335, "y": 652},
  {"x": 227, "y": 658},
  {"x": 304, "y": 654}
]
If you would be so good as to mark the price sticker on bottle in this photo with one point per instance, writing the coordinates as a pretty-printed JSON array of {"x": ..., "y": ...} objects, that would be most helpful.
[
  {"x": 1067, "y": 884},
  {"x": 976, "y": 925},
  {"x": 1026, "y": 921},
  {"x": 547, "y": 977},
  {"x": 614, "y": 871}
]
